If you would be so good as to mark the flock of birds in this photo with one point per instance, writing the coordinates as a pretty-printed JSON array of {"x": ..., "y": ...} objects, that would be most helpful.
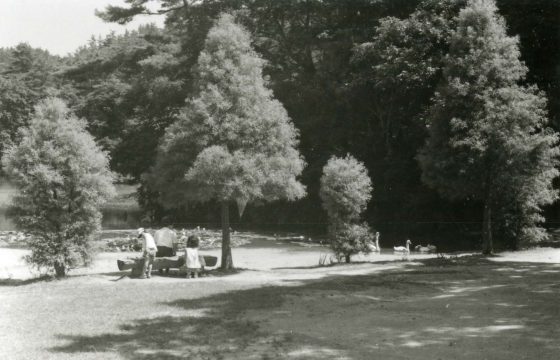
[{"x": 374, "y": 247}]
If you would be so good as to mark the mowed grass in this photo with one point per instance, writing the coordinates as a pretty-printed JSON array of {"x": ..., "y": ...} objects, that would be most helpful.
[{"x": 468, "y": 308}]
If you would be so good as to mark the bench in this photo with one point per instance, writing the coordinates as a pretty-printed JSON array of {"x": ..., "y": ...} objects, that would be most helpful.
[{"x": 161, "y": 263}]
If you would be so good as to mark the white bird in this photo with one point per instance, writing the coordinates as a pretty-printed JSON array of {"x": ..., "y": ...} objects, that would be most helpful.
[
  {"x": 375, "y": 247},
  {"x": 425, "y": 249},
  {"x": 402, "y": 249}
]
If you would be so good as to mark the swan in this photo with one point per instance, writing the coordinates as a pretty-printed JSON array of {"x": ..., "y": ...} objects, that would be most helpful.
[
  {"x": 403, "y": 249},
  {"x": 375, "y": 247},
  {"x": 425, "y": 249}
]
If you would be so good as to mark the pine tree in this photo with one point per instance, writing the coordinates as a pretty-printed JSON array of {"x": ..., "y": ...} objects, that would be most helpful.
[
  {"x": 233, "y": 140},
  {"x": 62, "y": 178},
  {"x": 488, "y": 138}
]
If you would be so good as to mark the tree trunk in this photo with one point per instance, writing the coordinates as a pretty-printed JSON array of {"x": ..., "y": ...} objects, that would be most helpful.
[
  {"x": 60, "y": 270},
  {"x": 487, "y": 245},
  {"x": 227, "y": 260},
  {"x": 347, "y": 258}
]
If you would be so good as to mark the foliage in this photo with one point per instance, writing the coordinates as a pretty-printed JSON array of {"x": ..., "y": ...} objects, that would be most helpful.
[
  {"x": 488, "y": 136},
  {"x": 62, "y": 179},
  {"x": 26, "y": 76},
  {"x": 233, "y": 140},
  {"x": 394, "y": 74},
  {"x": 355, "y": 76},
  {"x": 129, "y": 87},
  {"x": 348, "y": 239},
  {"x": 345, "y": 188},
  {"x": 345, "y": 192}
]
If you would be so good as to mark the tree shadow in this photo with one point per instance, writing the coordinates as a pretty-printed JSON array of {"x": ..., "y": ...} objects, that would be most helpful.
[
  {"x": 22, "y": 282},
  {"x": 392, "y": 314}
]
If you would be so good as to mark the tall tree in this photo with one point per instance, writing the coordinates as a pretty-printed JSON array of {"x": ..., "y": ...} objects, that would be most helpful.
[
  {"x": 488, "y": 139},
  {"x": 62, "y": 178},
  {"x": 233, "y": 141}
]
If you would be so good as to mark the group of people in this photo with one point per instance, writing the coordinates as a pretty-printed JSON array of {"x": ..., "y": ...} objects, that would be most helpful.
[{"x": 151, "y": 249}]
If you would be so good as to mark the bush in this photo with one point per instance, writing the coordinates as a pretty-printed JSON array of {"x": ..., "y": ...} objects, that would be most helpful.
[{"x": 349, "y": 239}]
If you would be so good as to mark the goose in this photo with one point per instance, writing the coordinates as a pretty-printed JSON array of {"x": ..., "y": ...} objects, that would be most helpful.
[{"x": 403, "y": 249}]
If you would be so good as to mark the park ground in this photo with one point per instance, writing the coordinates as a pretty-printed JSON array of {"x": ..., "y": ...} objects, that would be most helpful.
[{"x": 284, "y": 306}]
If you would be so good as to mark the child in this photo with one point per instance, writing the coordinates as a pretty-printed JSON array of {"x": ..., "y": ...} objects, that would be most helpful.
[{"x": 192, "y": 261}]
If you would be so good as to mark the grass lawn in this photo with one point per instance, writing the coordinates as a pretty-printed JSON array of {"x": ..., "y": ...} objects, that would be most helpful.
[{"x": 467, "y": 308}]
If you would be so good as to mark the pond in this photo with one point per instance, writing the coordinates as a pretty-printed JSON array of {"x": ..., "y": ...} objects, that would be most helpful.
[
  {"x": 121, "y": 213},
  {"x": 112, "y": 219}
]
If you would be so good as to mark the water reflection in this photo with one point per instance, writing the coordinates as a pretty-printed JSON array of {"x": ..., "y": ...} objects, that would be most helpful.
[
  {"x": 121, "y": 219},
  {"x": 112, "y": 219}
]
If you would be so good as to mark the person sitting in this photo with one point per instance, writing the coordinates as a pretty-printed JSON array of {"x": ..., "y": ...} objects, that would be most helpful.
[
  {"x": 165, "y": 240},
  {"x": 192, "y": 260},
  {"x": 149, "y": 250}
]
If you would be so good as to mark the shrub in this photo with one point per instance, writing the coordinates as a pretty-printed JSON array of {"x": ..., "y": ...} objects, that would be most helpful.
[{"x": 350, "y": 239}]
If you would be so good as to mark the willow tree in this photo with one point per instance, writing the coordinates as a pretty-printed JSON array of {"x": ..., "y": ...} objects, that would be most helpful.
[
  {"x": 488, "y": 138},
  {"x": 62, "y": 179},
  {"x": 233, "y": 142}
]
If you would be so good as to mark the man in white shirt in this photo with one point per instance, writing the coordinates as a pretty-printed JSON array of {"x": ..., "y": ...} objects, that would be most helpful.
[{"x": 149, "y": 250}]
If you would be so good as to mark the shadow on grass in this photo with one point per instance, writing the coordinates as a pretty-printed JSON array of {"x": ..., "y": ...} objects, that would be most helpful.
[
  {"x": 338, "y": 264},
  {"x": 470, "y": 310},
  {"x": 21, "y": 282}
]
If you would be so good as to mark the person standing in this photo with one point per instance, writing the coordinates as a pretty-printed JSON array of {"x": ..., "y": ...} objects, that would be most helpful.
[
  {"x": 149, "y": 250},
  {"x": 192, "y": 260}
]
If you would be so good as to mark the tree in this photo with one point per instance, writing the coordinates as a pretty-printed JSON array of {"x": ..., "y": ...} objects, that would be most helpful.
[
  {"x": 15, "y": 109},
  {"x": 233, "y": 140},
  {"x": 307, "y": 46},
  {"x": 394, "y": 75},
  {"x": 488, "y": 139},
  {"x": 26, "y": 76},
  {"x": 129, "y": 87},
  {"x": 62, "y": 179},
  {"x": 345, "y": 192}
]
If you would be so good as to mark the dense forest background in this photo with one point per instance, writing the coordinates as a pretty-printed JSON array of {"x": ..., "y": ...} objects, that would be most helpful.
[{"x": 328, "y": 62}]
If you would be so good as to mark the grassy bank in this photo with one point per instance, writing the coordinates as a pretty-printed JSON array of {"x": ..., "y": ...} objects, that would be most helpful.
[{"x": 465, "y": 308}]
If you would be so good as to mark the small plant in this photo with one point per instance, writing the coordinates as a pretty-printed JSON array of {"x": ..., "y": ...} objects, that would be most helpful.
[{"x": 349, "y": 239}]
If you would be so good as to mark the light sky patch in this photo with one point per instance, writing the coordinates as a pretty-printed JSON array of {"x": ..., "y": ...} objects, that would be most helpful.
[{"x": 59, "y": 26}]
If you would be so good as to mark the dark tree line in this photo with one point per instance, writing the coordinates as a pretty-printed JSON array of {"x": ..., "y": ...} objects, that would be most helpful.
[{"x": 355, "y": 76}]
